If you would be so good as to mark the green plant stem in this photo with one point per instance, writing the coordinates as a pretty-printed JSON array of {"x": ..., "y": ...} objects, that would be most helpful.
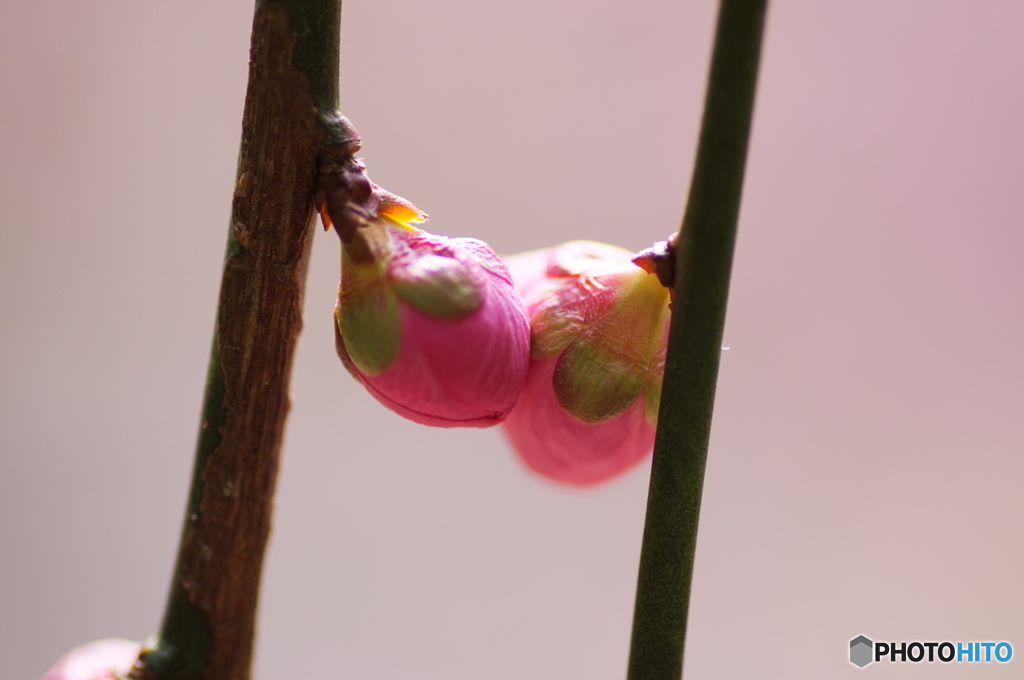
[
  {"x": 290, "y": 115},
  {"x": 704, "y": 260}
]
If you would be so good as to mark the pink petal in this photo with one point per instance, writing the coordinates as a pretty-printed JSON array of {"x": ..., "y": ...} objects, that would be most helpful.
[
  {"x": 557, "y": 445},
  {"x": 529, "y": 269},
  {"x": 458, "y": 372}
]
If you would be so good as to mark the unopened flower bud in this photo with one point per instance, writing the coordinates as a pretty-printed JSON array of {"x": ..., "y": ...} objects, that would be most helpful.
[
  {"x": 432, "y": 326},
  {"x": 598, "y": 330},
  {"x": 101, "y": 660}
]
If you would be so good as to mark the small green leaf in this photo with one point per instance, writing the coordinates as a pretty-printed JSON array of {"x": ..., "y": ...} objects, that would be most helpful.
[
  {"x": 594, "y": 383},
  {"x": 602, "y": 373},
  {"x": 439, "y": 286},
  {"x": 367, "y": 316},
  {"x": 369, "y": 326}
]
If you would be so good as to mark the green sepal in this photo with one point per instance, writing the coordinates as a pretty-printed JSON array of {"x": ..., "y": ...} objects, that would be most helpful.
[
  {"x": 594, "y": 383},
  {"x": 439, "y": 286},
  {"x": 604, "y": 371},
  {"x": 656, "y": 372},
  {"x": 652, "y": 394},
  {"x": 367, "y": 316}
]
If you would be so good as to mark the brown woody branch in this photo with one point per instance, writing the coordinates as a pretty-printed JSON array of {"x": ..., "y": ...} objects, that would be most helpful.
[{"x": 208, "y": 627}]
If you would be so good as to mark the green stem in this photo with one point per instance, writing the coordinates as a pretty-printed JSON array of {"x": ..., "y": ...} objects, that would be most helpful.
[
  {"x": 704, "y": 260},
  {"x": 290, "y": 117}
]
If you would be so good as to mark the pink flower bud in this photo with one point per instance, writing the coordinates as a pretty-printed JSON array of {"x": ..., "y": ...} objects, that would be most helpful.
[
  {"x": 101, "y": 660},
  {"x": 432, "y": 326},
  {"x": 598, "y": 330}
]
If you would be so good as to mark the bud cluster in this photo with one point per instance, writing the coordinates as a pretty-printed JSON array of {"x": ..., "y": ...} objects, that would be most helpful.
[{"x": 565, "y": 346}]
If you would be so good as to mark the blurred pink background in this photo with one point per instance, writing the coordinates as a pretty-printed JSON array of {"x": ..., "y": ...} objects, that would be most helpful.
[{"x": 867, "y": 459}]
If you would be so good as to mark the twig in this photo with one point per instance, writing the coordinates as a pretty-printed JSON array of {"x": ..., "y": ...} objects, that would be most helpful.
[{"x": 704, "y": 260}]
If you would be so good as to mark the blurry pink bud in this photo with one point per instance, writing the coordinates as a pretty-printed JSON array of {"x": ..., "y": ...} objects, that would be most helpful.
[
  {"x": 598, "y": 330},
  {"x": 432, "y": 326},
  {"x": 101, "y": 660}
]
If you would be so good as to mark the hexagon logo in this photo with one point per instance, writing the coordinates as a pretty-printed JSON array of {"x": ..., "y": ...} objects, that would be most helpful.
[{"x": 860, "y": 651}]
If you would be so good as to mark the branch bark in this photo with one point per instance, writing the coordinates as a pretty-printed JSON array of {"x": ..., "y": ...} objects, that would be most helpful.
[{"x": 290, "y": 114}]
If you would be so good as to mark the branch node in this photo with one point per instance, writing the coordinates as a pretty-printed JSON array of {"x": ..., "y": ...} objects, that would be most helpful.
[{"x": 660, "y": 259}]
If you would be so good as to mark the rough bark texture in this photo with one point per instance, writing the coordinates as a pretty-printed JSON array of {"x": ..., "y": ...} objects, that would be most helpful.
[
  {"x": 261, "y": 304},
  {"x": 209, "y": 624}
]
